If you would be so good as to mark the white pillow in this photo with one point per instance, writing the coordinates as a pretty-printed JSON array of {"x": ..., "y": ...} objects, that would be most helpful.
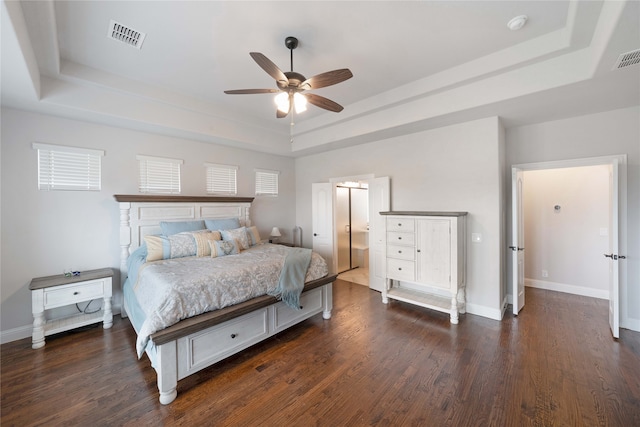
[{"x": 239, "y": 234}]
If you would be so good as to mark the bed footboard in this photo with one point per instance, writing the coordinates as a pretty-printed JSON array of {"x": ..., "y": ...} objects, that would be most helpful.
[{"x": 199, "y": 342}]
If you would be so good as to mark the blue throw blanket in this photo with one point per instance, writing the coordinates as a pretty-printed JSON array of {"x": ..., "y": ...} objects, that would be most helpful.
[{"x": 292, "y": 277}]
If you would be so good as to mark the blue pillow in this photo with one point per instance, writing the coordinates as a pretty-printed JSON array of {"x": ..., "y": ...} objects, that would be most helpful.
[
  {"x": 222, "y": 223},
  {"x": 174, "y": 227}
]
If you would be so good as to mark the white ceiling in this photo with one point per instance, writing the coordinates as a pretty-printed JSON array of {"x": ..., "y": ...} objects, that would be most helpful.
[{"x": 416, "y": 64}]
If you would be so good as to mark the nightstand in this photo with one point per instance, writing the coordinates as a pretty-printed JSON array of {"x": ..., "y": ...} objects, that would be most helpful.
[{"x": 60, "y": 290}]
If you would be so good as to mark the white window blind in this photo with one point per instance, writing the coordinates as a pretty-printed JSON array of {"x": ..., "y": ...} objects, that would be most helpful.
[
  {"x": 68, "y": 168},
  {"x": 221, "y": 179},
  {"x": 159, "y": 175},
  {"x": 266, "y": 182}
]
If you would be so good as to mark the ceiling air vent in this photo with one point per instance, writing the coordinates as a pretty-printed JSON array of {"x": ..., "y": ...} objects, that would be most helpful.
[
  {"x": 126, "y": 35},
  {"x": 627, "y": 59}
]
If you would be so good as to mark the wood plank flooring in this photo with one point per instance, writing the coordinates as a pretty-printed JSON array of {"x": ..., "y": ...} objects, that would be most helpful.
[{"x": 371, "y": 364}]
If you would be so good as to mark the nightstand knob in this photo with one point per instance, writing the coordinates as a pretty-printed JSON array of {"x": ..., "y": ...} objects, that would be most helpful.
[
  {"x": 233, "y": 335},
  {"x": 76, "y": 293}
]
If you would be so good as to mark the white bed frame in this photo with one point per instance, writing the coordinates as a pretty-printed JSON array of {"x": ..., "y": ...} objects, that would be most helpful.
[{"x": 196, "y": 343}]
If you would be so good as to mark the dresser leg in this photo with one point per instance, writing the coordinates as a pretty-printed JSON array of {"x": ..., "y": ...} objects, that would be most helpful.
[
  {"x": 107, "y": 318},
  {"x": 37, "y": 339},
  {"x": 454, "y": 310},
  {"x": 462, "y": 303}
]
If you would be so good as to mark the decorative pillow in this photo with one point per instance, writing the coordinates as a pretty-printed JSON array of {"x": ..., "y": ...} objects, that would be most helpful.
[
  {"x": 223, "y": 247},
  {"x": 222, "y": 223},
  {"x": 254, "y": 235},
  {"x": 167, "y": 247},
  {"x": 174, "y": 227},
  {"x": 202, "y": 238},
  {"x": 239, "y": 234}
]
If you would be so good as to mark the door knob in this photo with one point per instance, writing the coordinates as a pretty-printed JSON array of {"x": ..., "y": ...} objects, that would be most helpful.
[
  {"x": 315, "y": 234},
  {"x": 609, "y": 256}
]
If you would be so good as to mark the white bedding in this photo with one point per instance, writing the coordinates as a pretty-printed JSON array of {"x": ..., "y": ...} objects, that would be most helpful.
[{"x": 175, "y": 289}]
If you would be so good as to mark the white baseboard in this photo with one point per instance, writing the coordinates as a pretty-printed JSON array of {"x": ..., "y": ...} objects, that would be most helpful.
[
  {"x": 484, "y": 311},
  {"x": 22, "y": 332},
  {"x": 631, "y": 324},
  {"x": 568, "y": 289},
  {"x": 15, "y": 334}
]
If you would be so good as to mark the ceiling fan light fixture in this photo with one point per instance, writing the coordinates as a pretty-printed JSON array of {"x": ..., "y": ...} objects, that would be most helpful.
[
  {"x": 282, "y": 102},
  {"x": 299, "y": 102}
]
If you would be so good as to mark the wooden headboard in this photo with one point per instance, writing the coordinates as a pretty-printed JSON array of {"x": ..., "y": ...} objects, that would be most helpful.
[{"x": 141, "y": 215}]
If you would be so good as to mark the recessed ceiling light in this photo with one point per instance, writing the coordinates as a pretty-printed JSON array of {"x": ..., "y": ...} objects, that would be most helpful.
[{"x": 517, "y": 22}]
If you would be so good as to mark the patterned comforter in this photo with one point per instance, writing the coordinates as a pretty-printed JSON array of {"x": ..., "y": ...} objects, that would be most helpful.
[{"x": 175, "y": 289}]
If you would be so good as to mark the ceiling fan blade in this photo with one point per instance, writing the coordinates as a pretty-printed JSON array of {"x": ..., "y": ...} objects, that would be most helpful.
[
  {"x": 322, "y": 102},
  {"x": 271, "y": 68},
  {"x": 327, "y": 79},
  {"x": 250, "y": 91},
  {"x": 280, "y": 114}
]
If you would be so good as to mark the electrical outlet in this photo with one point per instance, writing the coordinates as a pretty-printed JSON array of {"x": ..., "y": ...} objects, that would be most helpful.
[{"x": 545, "y": 273}]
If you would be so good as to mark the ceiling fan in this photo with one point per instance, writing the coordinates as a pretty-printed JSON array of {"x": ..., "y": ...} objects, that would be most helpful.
[{"x": 291, "y": 85}]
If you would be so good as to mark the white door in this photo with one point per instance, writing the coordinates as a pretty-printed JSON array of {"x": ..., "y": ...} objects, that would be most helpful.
[
  {"x": 379, "y": 201},
  {"x": 322, "y": 220},
  {"x": 614, "y": 264},
  {"x": 517, "y": 243}
]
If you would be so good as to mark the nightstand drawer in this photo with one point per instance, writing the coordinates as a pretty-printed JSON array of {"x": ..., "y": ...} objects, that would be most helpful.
[
  {"x": 401, "y": 252},
  {"x": 398, "y": 269},
  {"x": 73, "y": 293}
]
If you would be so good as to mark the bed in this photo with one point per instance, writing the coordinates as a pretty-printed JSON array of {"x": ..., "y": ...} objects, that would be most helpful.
[{"x": 190, "y": 344}]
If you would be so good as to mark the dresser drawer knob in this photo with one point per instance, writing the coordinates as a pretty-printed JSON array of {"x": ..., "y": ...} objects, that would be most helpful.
[
  {"x": 399, "y": 268},
  {"x": 76, "y": 293},
  {"x": 399, "y": 224},
  {"x": 399, "y": 238},
  {"x": 233, "y": 335},
  {"x": 399, "y": 252}
]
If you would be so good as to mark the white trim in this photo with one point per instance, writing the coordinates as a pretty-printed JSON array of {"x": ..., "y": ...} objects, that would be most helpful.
[
  {"x": 66, "y": 149},
  {"x": 220, "y": 165},
  {"x": 16, "y": 334},
  {"x": 159, "y": 159},
  {"x": 484, "y": 311},
  {"x": 572, "y": 163},
  {"x": 631, "y": 324},
  {"x": 567, "y": 288}
]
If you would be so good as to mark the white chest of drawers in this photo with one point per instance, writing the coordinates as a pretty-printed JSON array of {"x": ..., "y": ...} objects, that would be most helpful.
[
  {"x": 425, "y": 256},
  {"x": 58, "y": 291}
]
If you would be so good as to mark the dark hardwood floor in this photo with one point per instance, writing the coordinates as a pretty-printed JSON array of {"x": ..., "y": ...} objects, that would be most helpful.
[{"x": 398, "y": 365}]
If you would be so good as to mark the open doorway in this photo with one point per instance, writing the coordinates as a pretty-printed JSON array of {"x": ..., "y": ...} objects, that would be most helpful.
[
  {"x": 616, "y": 229},
  {"x": 352, "y": 231}
]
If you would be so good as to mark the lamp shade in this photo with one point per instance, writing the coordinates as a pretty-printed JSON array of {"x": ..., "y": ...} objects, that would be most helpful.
[{"x": 275, "y": 232}]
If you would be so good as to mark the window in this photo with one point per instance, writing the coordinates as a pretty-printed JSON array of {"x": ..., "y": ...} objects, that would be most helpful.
[
  {"x": 159, "y": 175},
  {"x": 221, "y": 179},
  {"x": 68, "y": 168},
  {"x": 266, "y": 182}
]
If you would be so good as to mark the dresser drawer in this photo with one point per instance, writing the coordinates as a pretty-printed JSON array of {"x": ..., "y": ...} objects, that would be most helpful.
[
  {"x": 311, "y": 302},
  {"x": 401, "y": 252},
  {"x": 399, "y": 269},
  {"x": 401, "y": 224},
  {"x": 73, "y": 293},
  {"x": 399, "y": 238}
]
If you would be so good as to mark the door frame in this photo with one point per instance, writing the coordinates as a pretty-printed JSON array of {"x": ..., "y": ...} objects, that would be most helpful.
[{"x": 621, "y": 161}]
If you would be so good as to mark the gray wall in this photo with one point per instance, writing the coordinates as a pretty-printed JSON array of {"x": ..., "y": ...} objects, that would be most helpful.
[
  {"x": 569, "y": 243},
  {"x": 454, "y": 168},
  {"x": 45, "y": 232},
  {"x": 604, "y": 134}
]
